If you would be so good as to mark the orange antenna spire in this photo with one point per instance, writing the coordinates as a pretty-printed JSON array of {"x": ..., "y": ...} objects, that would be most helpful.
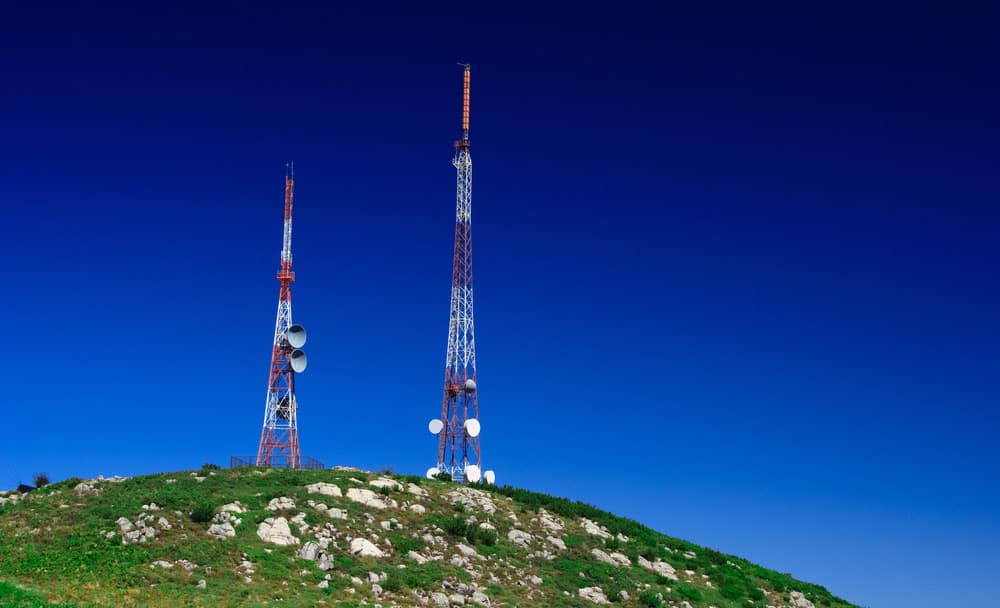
[{"x": 465, "y": 106}]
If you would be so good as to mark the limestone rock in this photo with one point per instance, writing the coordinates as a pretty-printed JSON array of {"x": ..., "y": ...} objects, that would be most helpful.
[
  {"x": 519, "y": 538},
  {"x": 660, "y": 567},
  {"x": 309, "y": 551},
  {"x": 592, "y": 528},
  {"x": 799, "y": 600},
  {"x": 365, "y": 548},
  {"x": 221, "y": 531},
  {"x": 281, "y": 504},
  {"x": 557, "y": 543},
  {"x": 369, "y": 498},
  {"x": 327, "y": 489},
  {"x": 275, "y": 530},
  {"x": 385, "y": 482},
  {"x": 593, "y": 594}
]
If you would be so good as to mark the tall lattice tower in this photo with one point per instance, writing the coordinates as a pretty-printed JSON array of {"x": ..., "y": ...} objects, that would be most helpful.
[
  {"x": 279, "y": 438},
  {"x": 458, "y": 428}
]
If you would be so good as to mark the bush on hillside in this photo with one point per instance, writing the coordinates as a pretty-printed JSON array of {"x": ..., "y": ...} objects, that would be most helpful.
[
  {"x": 41, "y": 480},
  {"x": 202, "y": 512}
]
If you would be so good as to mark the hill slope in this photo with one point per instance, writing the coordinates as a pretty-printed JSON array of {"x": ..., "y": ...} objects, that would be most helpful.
[{"x": 250, "y": 537}]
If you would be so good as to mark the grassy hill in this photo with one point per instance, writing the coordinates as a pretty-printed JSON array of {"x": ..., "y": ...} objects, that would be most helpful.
[{"x": 215, "y": 538}]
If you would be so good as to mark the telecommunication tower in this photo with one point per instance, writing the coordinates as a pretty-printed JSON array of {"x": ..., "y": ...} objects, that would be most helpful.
[
  {"x": 279, "y": 438},
  {"x": 458, "y": 428}
]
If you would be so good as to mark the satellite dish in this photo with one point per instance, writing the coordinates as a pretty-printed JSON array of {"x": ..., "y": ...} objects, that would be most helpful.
[
  {"x": 431, "y": 472},
  {"x": 296, "y": 336},
  {"x": 298, "y": 361},
  {"x": 490, "y": 477},
  {"x": 472, "y": 427},
  {"x": 470, "y": 386},
  {"x": 435, "y": 426},
  {"x": 471, "y": 473}
]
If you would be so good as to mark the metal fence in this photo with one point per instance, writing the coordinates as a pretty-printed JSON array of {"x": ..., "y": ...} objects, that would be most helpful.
[{"x": 308, "y": 462}]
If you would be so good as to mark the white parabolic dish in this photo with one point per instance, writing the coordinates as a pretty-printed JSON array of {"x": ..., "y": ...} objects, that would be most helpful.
[
  {"x": 471, "y": 473},
  {"x": 490, "y": 477},
  {"x": 435, "y": 426},
  {"x": 431, "y": 472},
  {"x": 472, "y": 427},
  {"x": 298, "y": 361}
]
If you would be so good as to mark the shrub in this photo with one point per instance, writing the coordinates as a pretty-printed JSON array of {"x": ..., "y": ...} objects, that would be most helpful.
[
  {"x": 202, "y": 512},
  {"x": 443, "y": 476},
  {"x": 688, "y": 592},
  {"x": 208, "y": 466},
  {"x": 650, "y": 598},
  {"x": 41, "y": 480}
]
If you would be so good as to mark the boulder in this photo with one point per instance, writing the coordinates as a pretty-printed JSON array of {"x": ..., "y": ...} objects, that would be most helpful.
[
  {"x": 592, "y": 528},
  {"x": 519, "y": 538},
  {"x": 593, "y": 594},
  {"x": 369, "y": 498},
  {"x": 281, "y": 504},
  {"x": 327, "y": 489},
  {"x": 660, "y": 567},
  {"x": 309, "y": 551},
  {"x": 275, "y": 530},
  {"x": 222, "y": 531},
  {"x": 799, "y": 600},
  {"x": 365, "y": 548}
]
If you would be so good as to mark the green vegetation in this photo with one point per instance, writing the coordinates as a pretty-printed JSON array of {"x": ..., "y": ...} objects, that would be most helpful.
[{"x": 63, "y": 550}]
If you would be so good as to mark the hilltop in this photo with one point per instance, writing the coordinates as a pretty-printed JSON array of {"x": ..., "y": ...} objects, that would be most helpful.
[{"x": 345, "y": 537}]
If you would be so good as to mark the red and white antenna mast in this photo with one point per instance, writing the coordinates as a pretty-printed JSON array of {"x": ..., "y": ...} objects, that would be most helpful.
[
  {"x": 458, "y": 428},
  {"x": 279, "y": 438}
]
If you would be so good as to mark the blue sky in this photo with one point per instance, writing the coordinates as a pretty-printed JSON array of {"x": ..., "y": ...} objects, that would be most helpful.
[{"x": 735, "y": 278}]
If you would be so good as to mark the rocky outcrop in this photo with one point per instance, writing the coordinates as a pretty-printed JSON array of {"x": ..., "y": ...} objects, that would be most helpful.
[
  {"x": 370, "y": 499},
  {"x": 660, "y": 567},
  {"x": 327, "y": 489},
  {"x": 365, "y": 548},
  {"x": 275, "y": 530},
  {"x": 799, "y": 600},
  {"x": 591, "y": 528},
  {"x": 519, "y": 538},
  {"x": 593, "y": 594},
  {"x": 615, "y": 559},
  {"x": 281, "y": 504}
]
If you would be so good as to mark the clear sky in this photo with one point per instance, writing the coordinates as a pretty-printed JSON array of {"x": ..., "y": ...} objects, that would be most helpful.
[{"x": 736, "y": 267}]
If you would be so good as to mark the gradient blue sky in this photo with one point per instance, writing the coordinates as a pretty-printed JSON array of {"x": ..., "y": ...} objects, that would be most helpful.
[{"x": 735, "y": 266}]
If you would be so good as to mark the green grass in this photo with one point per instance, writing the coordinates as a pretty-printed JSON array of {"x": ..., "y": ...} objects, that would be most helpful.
[{"x": 53, "y": 551}]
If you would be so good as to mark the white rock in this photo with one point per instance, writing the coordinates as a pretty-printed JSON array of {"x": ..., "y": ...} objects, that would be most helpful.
[
  {"x": 202, "y": 584},
  {"x": 549, "y": 521},
  {"x": 660, "y": 567},
  {"x": 323, "y": 584},
  {"x": 327, "y": 489},
  {"x": 456, "y": 599},
  {"x": 281, "y": 504},
  {"x": 799, "y": 600},
  {"x": 275, "y": 530},
  {"x": 480, "y": 598},
  {"x": 557, "y": 543},
  {"x": 535, "y": 580},
  {"x": 365, "y": 548},
  {"x": 82, "y": 489},
  {"x": 439, "y": 599},
  {"x": 592, "y": 528},
  {"x": 519, "y": 538},
  {"x": 593, "y": 594},
  {"x": 416, "y": 490},
  {"x": 221, "y": 531},
  {"x": 418, "y": 509},
  {"x": 466, "y": 550},
  {"x": 369, "y": 498},
  {"x": 233, "y": 507},
  {"x": 385, "y": 482},
  {"x": 161, "y": 564},
  {"x": 420, "y": 559},
  {"x": 163, "y": 524},
  {"x": 309, "y": 551}
]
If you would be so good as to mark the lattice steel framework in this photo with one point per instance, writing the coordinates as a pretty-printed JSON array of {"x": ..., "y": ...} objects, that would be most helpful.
[
  {"x": 279, "y": 437},
  {"x": 456, "y": 447}
]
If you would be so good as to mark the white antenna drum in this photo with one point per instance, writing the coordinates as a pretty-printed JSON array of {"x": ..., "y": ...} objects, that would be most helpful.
[
  {"x": 470, "y": 386},
  {"x": 296, "y": 336},
  {"x": 472, "y": 427},
  {"x": 435, "y": 426},
  {"x": 431, "y": 472},
  {"x": 298, "y": 361},
  {"x": 472, "y": 473},
  {"x": 490, "y": 477}
]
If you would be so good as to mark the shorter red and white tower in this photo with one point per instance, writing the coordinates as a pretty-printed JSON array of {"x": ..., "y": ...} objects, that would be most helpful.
[{"x": 279, "y": 437}]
